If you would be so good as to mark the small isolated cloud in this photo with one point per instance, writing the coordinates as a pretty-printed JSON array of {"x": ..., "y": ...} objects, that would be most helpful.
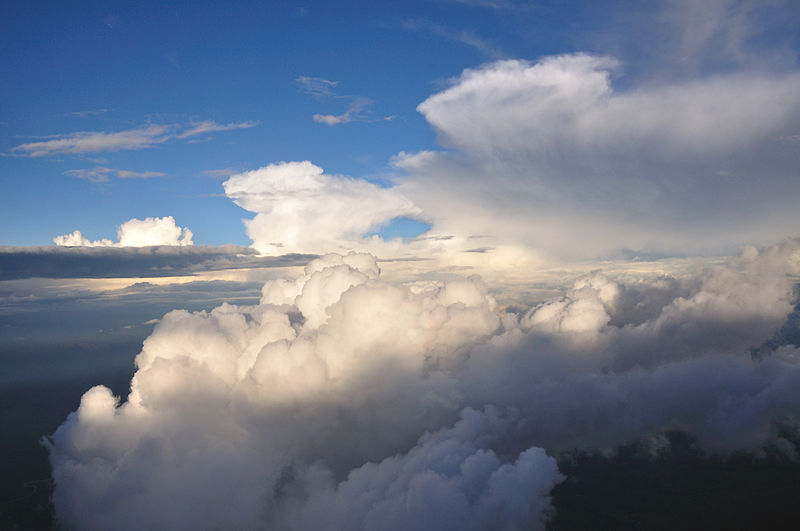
[
  {"x": 301, "y": 209},
  {"x": 321, "y": 88},
  {"x": 356, "y": 112},
  {"x": 90, "y": 142},
  {"x": 210, "y": 126},
  {"x": 135, "y": 233},
  {"x": 125, "y": 174},
  {"x": 101, "y": 174}
]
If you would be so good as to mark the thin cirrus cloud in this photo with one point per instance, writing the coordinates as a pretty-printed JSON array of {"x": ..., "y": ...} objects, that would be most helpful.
[
  {"x": 358, "y": 107},
  {"x": 101, "y": 174},
  {"x": 210, "y": 126},
  {"x": 465, "y": 37},
  {"x": 131, "y": 139},
  {"x": 94, "y": 141},
  {"x": 357, "y": 111}
]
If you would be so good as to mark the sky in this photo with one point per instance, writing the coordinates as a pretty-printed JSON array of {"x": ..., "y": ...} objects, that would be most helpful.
[
  {"x": 275, "y": 265},
  {"x": 115, "y": 111}
]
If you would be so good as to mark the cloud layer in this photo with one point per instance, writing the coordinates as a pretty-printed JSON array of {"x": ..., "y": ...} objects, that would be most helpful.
[{"x": 343, "y": 399}]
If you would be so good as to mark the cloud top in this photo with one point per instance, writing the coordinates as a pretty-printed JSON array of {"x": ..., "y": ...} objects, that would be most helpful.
[
  {"x": 347, "y": 399},
  {"x": 135, "y": 233},
  {"x": 301, "y": 209},
  {"x": 552, "y": 155}
]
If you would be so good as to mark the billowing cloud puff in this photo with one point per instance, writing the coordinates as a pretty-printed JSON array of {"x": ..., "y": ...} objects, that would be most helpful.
[
  {"x": 300, "y": 209},
  {"x": 349, "y": 401},
  {"x": 135, "y": 233},
  {"x": 551, "y": 155}
]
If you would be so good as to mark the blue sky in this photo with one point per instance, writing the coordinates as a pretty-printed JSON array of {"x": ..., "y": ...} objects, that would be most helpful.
[
  {"x": 118, "y": 66},
  {"x": 254, "y": 75}
]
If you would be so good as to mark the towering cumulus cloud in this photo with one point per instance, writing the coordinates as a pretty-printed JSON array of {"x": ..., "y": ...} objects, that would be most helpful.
[
  {"x": 346, "y": 401},
  {"x": 135, "y": 233},
  {"x": 300, "y": 209},
  {"x": 552, "y": 155}
]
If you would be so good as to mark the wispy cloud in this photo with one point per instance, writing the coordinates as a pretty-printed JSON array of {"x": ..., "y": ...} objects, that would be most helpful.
[
  {"x": 138, "y": 138},
  {"x": 101, "y": 174},
  {"x": 93, "y": 141},
  {"x": 89, "y": 113},
  {"x": 323, "y": 89},
  {"x": 210, "y": 126},
  {"x": 356, "y": 112},
  {"x": 466, "y": 37},
  {"x": 317, "y": 86}
]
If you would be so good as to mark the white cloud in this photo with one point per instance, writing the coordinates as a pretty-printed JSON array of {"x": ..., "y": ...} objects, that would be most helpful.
[
  {"x": 135, "y": 233},
  {"x": 93, "y": 141},
  {"x": 337, "y": 399},
  {"x": 301, "y": 209},
  {"x": 210, "y": 126},
  {"x": 551, "y": 156}
]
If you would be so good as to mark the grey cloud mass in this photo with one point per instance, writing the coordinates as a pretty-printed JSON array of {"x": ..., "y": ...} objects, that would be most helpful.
[
  {"x": 151, "y": 261},
  {"x": 580, "y": 168}
]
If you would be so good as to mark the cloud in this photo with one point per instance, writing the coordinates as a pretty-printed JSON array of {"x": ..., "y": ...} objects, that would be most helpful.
[
  {"x": 94, "y": 141},
  {"x": 135, "y": 233},
  {"x": 465, "y": 37},
  {"x": 349, "y": 399},
  {"x": 355, "y": 112},
  {"x": 299, "y": 208},
  {"x": 323, "y": 89},
  {"x": 317, "y": 86},
  {"x": 100, "y": 174},
  {"x": 549, "y": 155},
  {"x": 90, "y": 113},
  {"x": 139, "y": 138},
  {"x": 123, "y": 262},
  {"x": 210, "y": 126}
]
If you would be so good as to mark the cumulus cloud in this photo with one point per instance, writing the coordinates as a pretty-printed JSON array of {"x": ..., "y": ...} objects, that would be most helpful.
[
  {"x": 550, "y": 154},
  {"x": 343, "y": 399},
  {"x": 135, "y": 233},
  {"x": 303, "y": 210}
]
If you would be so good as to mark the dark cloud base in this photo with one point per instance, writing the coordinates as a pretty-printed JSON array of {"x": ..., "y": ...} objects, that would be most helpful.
[{"x": 155, "y": 261}]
